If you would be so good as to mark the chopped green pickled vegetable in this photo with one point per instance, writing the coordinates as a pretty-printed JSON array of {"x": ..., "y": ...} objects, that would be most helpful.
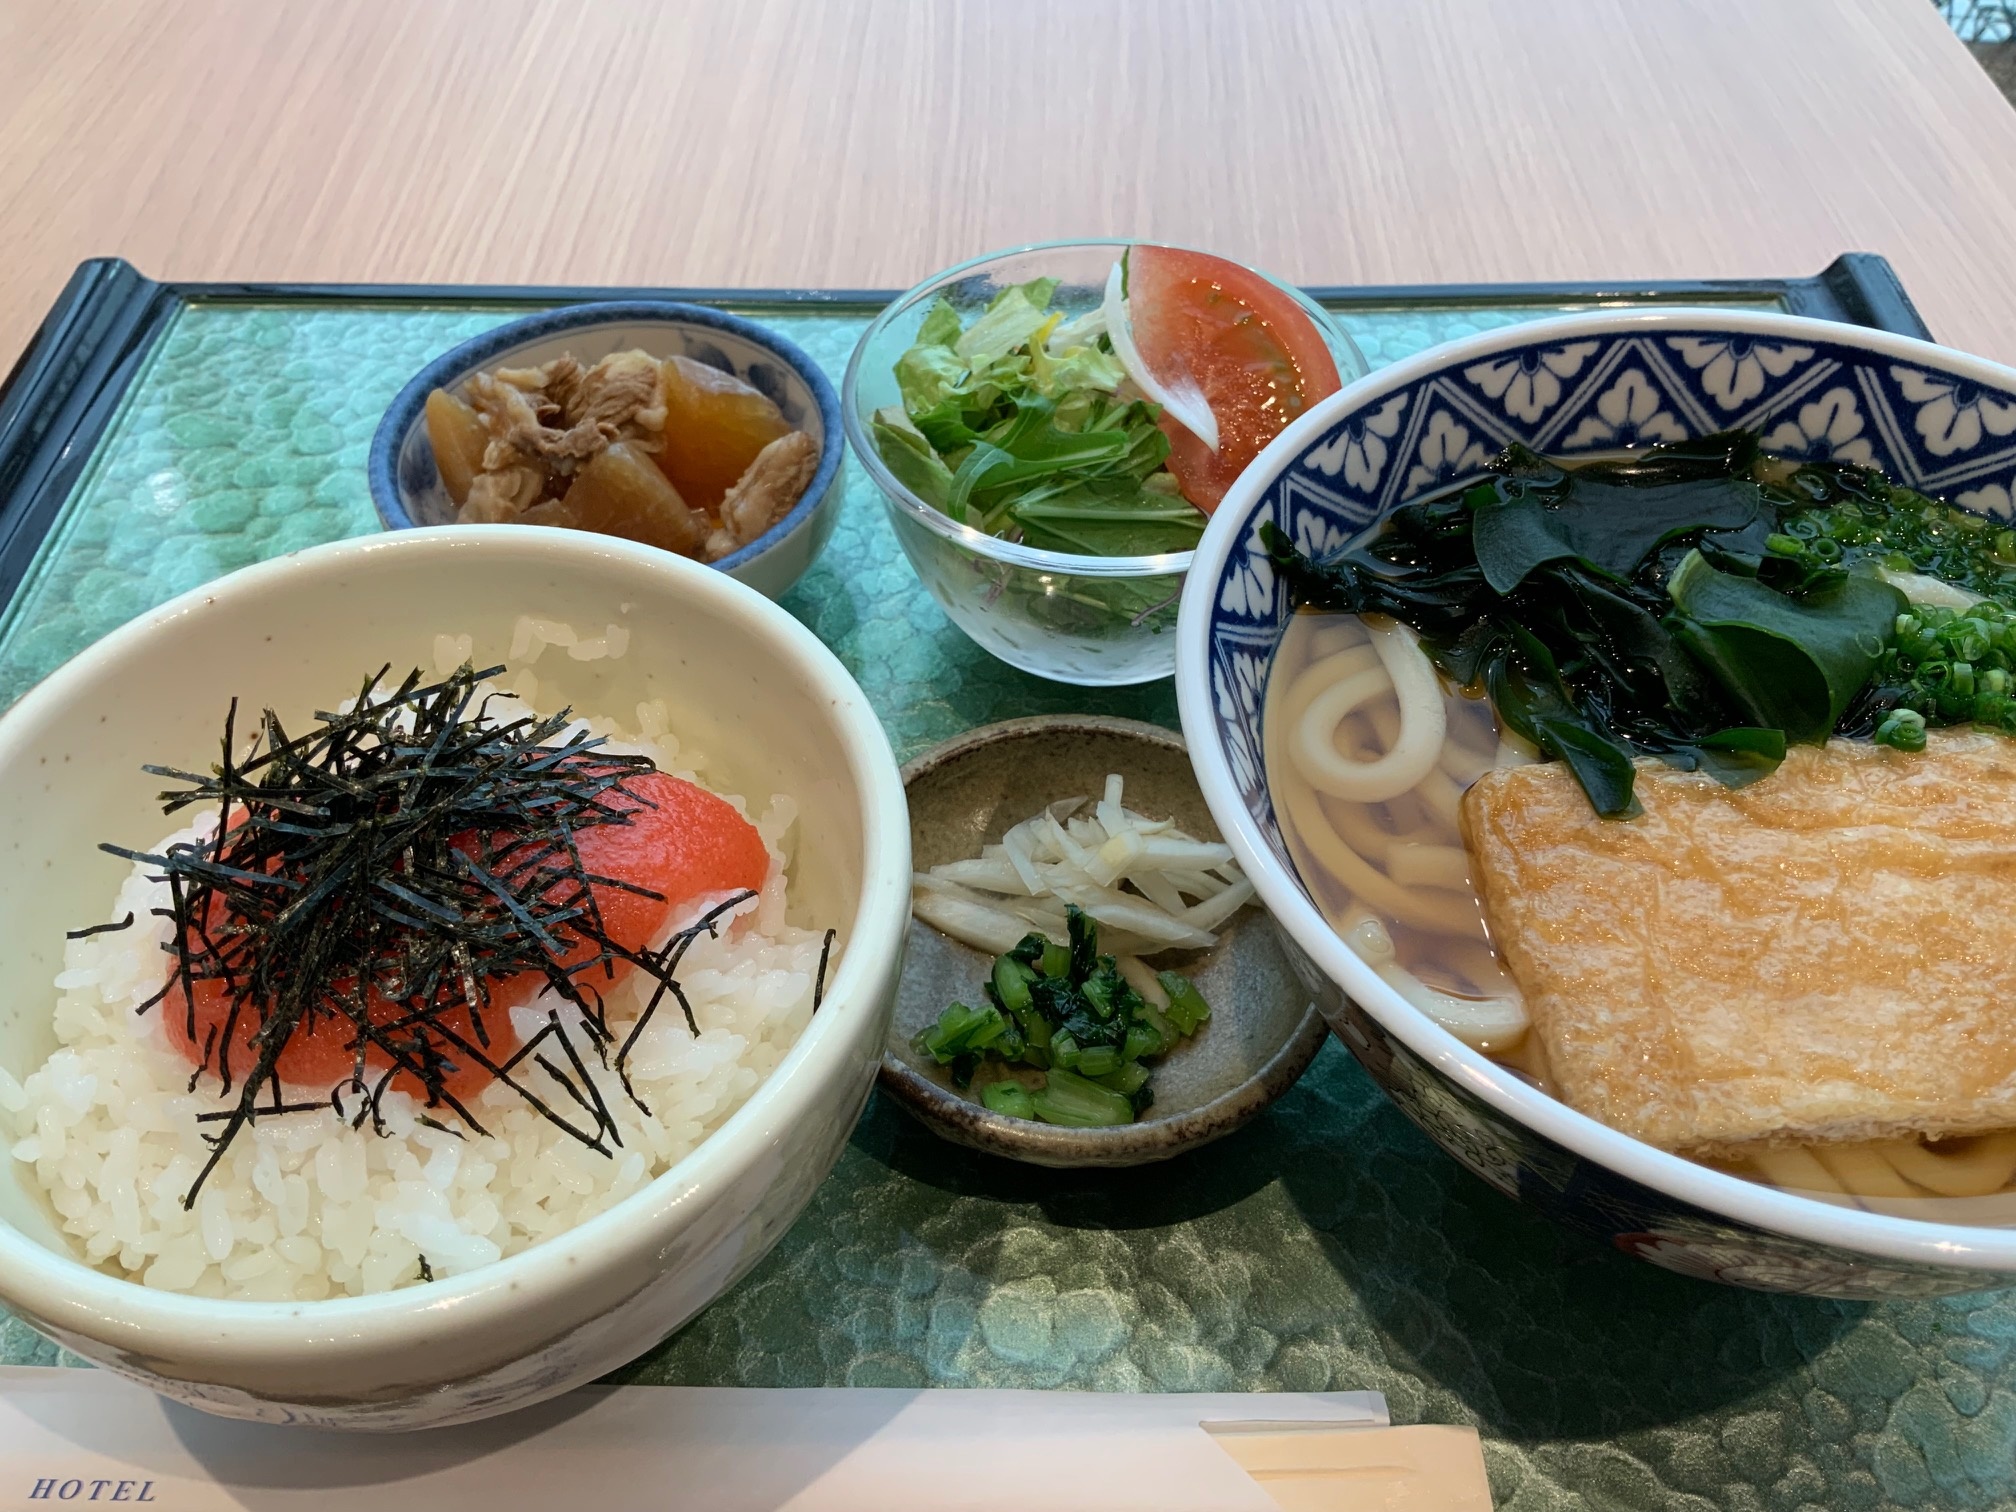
[
  {"x": 1011, "y": 984},
  {"x": 960, "y": 1031},
  {"x": 1008, "y": 1097},
  {"x": 1127, "y": 1079},
  {"x": 1065, "y": 1010},
  {"x": 1187, "y": 1008},
  {"x": 1069, "y": 1099},
  {"x": 1097, "y": 1060}
]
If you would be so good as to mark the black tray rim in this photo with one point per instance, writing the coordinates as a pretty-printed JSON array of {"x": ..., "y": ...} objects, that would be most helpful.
[{"x": 66, "y": 386}]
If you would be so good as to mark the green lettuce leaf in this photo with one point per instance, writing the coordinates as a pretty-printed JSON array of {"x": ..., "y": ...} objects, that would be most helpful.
[
  {"x": 910, "y": 457},
  {"x": 1009, "y": 320},
  {"x": 1077, "y": 370},
  {"x": 1015, "y": 426},
  {"x": 928, "y": 376},
  {"x": 941, "y": 325}
]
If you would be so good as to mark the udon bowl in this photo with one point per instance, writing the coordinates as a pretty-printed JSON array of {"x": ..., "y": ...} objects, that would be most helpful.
[
  {"x": 773, "y": 710},
  {"x": 1931, "y": 418}
]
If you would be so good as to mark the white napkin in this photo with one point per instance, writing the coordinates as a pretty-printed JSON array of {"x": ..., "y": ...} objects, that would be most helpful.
[{"x": 77, "y": 1437}]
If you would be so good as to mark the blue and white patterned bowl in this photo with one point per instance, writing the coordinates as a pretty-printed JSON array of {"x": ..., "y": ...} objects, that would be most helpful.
[
  {"x": 1928, "y": 417},
  {"x": 406, "y": 485}
]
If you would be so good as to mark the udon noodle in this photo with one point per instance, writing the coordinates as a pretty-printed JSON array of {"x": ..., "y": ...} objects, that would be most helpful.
[{"x": 1368, "y": 753}]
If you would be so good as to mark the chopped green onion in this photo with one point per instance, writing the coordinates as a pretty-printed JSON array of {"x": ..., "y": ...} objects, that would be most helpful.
[
  {"x": 1903, "y": 729},
  {"x": 1970, "y": 638}
]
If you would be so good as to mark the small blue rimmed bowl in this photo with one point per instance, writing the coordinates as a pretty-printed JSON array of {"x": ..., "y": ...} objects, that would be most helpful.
[{"x": 406, "y": 485}]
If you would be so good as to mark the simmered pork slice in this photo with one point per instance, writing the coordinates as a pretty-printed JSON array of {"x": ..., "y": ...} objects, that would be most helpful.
[
  {"x": 765, "y": 493},
  {"x": 1828, "y": 954}
]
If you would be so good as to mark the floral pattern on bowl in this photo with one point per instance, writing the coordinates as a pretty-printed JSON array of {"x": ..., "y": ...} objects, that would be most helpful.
[{"x": 1930, "y": 418}]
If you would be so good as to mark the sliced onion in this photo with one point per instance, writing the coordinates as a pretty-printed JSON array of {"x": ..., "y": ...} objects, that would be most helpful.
[{"x": 1185, "y": 405}]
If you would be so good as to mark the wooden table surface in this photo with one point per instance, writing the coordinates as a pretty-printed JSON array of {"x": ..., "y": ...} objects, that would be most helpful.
[{"x": 867, "y": 142}]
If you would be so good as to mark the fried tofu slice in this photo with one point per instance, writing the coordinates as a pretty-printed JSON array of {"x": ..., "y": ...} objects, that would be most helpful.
[{"x": 1826, "y": 955}]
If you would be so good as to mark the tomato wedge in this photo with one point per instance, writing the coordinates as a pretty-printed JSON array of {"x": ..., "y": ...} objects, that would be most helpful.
[
  {"x": 681, "y": 842},
  {"x": 1245, "y": 345}
]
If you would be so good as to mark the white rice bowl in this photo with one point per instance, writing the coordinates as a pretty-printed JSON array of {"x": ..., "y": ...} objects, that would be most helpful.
[{"x": 304, "y": 1206}]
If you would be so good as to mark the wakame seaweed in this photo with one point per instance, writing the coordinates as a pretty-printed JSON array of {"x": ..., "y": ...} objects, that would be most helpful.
[
  {"x": 1650, "y": 605},
  {"x": 406, "y": 855}
]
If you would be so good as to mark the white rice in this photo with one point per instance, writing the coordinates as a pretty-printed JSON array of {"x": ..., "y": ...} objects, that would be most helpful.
[{"x": 302, "y": 1206}]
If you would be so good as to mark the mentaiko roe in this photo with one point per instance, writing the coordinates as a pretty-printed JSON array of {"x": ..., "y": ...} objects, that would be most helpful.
[{"x": 681, "y": 842}]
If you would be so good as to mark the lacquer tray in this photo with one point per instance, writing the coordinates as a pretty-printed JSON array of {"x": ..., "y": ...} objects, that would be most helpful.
[{"x": 158, "y": 435}]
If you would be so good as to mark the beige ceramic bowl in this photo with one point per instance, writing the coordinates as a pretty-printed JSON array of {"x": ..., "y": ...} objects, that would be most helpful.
[{"x": 773, "y": 710}]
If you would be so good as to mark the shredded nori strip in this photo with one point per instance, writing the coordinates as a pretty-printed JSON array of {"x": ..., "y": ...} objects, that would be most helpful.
[
  {"x": 409, "y": 855},
  {"x": 819, "y": 984},
  {"x": 98, "y": 929}
]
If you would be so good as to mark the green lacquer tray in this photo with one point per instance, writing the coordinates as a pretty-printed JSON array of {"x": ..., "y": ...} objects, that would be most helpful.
[{"x": 159, "y": 435}]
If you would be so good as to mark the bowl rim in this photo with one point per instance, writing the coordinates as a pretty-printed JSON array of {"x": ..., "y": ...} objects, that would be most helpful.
[
  {"x": 1945, "y": 1246},
  {"x": 69, "y": 1293},
  {"x": 1155, "y": 1138},
  {"x": 460, "y": 361},
  {"x": 979, "y": 542}
]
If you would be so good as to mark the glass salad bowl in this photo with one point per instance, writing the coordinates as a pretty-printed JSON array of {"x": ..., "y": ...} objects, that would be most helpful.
[{"x": 1096, "y": 621}]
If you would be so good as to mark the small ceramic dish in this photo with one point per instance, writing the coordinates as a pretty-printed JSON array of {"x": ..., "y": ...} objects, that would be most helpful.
[
  {"x": 406, "y": 486},
  {"x": 1263, "y": 1030}
]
